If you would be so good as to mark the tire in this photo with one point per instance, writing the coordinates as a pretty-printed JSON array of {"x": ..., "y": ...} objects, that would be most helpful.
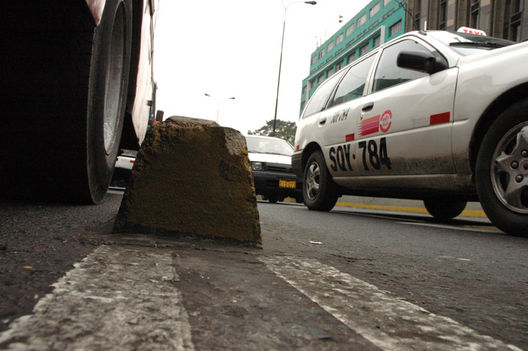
[
  {"x": 443, "y": 209},
  {"x": 299, "y": 198},
  {"x": 67, "y": 93},
  {"x": 108, "y": 83},
  {"x": 319, "y": 191},
  {"x": 501, "y": 171},
  {"x": 273, "y": 199}
]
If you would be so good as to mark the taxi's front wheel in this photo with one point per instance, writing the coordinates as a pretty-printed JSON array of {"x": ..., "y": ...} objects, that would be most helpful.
[
  {"x": 319, "y": 191},
  {"x": 502, "y": 170}
]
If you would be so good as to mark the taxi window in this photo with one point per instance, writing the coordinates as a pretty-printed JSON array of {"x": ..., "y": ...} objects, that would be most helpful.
[
  {"x": 353, "y": 84},
  {"x": 318, "y": 101},
  {"x": 388, "y": 73}
]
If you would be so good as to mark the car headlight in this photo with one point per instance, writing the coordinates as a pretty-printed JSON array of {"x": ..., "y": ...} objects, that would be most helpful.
[{"x": 256, "y": 166}]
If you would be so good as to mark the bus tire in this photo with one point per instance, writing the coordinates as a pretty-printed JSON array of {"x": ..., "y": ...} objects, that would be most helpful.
[
  {"x": 107, "y": 94},
  {"x": 67, "y": 80}
]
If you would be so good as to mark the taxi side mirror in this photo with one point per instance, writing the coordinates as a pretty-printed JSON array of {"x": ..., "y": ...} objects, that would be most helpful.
[{"x": 421, "y": 61}]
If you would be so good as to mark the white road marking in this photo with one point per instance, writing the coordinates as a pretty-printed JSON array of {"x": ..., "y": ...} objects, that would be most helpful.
[
  {"x": 455, "y": 258},
  {"x": 116, "y": 298},
  {"x": 386, "y": 321},
  {"x": 476, "y": 228}
]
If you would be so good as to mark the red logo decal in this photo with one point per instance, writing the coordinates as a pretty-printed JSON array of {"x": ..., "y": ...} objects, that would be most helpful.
[
  {"x": 385, "y": 121},
  {"x": 369, "y": 126}
]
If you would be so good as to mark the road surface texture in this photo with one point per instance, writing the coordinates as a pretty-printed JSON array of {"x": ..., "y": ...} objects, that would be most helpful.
[{"x": 351, "y": 279}]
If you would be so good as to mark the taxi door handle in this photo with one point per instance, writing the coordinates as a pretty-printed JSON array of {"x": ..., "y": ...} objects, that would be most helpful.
[
  {"x": 322, "y": 121},
  {"x": 367, "y": 107}
]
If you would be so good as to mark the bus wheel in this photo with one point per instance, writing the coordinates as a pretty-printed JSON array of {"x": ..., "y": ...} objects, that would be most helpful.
[{"x": 107, "y": 93}]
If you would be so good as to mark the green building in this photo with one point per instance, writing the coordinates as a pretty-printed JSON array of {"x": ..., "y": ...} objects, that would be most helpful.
[{"x": 378, "y": 22}]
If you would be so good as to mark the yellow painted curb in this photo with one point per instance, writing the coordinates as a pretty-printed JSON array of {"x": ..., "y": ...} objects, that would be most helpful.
[{"x": 465, "y": 213}]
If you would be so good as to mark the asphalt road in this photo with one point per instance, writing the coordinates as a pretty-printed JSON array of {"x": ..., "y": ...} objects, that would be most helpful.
[{"x": 351, "y": 279}]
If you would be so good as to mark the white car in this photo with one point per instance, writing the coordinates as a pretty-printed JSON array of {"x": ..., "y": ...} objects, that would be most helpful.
[
  {"x": 436, "y": 116},
  {"x": 270, "y": 160}
]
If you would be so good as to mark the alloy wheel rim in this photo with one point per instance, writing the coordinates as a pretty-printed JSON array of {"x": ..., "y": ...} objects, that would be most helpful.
[
  {"x": 509, "y": 169},
  {"x": 313, "y": 181}
]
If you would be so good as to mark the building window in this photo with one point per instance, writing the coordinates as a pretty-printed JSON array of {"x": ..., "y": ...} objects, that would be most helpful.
[
  {"x": 395, "y": 28},
  {"x": 416, "y": 11},
  {"x": 474, "y": 13},
  {"x": 516, "y": 31},
  {"x": 314, "y": 60},
  {"x": 338, "y": 66},
  {"x": 362, "y": 20},
  {"x": 351, "y": 58},
  {"x": 330, "y": 47},
  {"x": 321, "y": 53},
  {"x": 374, "y": 10},
  {"x": 512, "y": 20},
  {"x": 517, "y": 6},
  {"x": 376, "y": 42},
  {"x": 340, "y": 39},
  {"x": 350, "y": 30},
  {"x": 386, "y": 2},
  {"x": 364, "y": 49},
  {"x": 442, "y": 14}
]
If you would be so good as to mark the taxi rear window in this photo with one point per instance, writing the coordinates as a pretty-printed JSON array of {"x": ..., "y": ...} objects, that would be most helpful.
[{"x": 318, "y": 101}]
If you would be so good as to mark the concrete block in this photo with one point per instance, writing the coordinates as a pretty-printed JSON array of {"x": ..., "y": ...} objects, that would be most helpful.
[{"x": 192, "y": 176}]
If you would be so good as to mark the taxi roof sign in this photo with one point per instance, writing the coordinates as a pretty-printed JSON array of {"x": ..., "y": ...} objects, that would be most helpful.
[{"x": 471, "y": 31}]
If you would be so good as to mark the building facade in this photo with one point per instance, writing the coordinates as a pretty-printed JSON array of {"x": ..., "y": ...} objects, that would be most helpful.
[
  {"x": 383, "y": 20},
  {"x": 507, "y": 19},
  {"x": 376, "y": 23}
]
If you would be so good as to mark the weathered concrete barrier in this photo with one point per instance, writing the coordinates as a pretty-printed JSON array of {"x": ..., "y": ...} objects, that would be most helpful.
[{"x": 192, "y": 176}]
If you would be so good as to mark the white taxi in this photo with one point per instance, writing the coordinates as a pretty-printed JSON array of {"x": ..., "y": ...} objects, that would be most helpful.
[{"x": 436, "y": 116}]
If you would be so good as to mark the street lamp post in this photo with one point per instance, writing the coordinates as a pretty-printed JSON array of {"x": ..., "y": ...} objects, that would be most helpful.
[
  {"x": 280, "y": 60},
  {"x": 218, "y": 103}
]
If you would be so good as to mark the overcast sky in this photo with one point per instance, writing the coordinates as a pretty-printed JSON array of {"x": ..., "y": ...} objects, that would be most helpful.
[{"x": 231, "y": 48}]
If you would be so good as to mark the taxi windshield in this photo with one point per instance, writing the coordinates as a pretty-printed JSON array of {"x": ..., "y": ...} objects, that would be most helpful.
[
  {"x": 263, "y": 145},
  {"x": 469, "y": 44}
]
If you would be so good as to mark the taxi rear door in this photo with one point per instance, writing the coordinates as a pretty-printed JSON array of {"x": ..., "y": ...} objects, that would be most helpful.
[{"x": 339, "y": 123}]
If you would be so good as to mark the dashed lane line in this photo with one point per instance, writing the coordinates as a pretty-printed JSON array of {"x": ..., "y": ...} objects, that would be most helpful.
[
  {"x": 116, "y": 298},
  {"x": 388, "y": 322}
]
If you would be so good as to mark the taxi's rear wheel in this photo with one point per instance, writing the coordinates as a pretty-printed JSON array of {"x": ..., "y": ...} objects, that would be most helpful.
[
  {"x": 502, "y": 170},
  {"x": 444, "y": 208},
  {"x": 319, "y": 191}
]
